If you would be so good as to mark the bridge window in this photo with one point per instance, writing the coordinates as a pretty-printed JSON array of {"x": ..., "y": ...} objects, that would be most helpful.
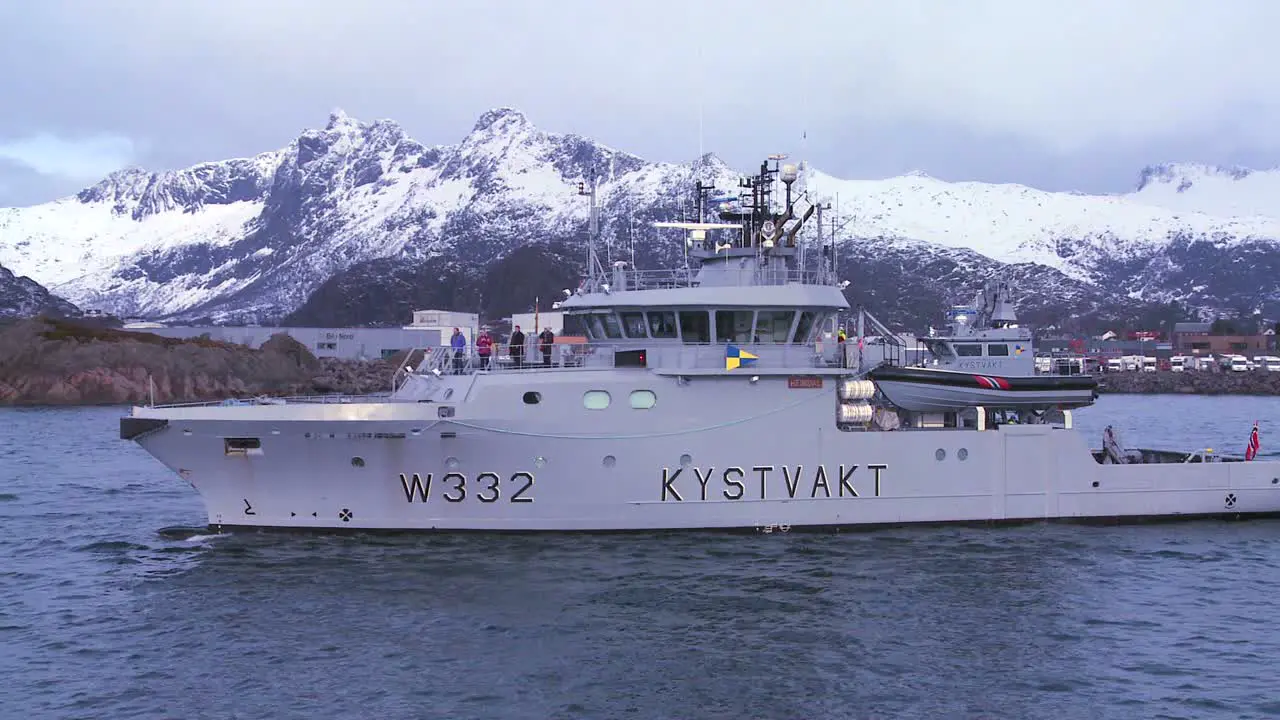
[
  {"x": 939, "y": 349},
  {"x": 595, "y": 326},
  {"x": 733, "y": 326},
  {"x": 662, "y": 324},
  {"x": 575, "y": 326},
  {"x": 772, "y": 326},
  {"x": 997, "y": 350},
  {"x": 595, "y": 400},
  {"x": 633, "y": 324},
  {"x": 804, "y": 328},
  {"x": 612, "y": 328},
  {"x": 968, "y": 350},
  {"x": 643, "y": 399},
  {"x": 695, "y": 327}
]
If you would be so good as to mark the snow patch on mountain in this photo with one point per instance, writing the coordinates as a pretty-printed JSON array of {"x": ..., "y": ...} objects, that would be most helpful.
[
  {"x": 1213, "y": 190},
  {"x": 1014, "y": 223},
  {"x": 67, "y": 239}
]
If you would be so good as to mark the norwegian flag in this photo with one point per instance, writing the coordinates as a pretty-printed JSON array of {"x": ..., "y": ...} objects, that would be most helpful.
[{"x": 1252, "y": 451}]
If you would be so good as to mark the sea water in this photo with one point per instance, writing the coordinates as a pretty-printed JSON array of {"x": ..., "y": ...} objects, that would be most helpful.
[{"x": 109, "y": 609}]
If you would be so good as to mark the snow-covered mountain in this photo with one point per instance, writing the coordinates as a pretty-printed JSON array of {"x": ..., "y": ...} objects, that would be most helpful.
[
  {"x": 23, "y": 297},
  {"x": 254, "y": 238}
]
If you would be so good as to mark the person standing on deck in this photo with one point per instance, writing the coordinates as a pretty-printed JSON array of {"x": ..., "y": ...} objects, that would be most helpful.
[
  {"x": 459, "y": 344},
  {"x": 484, "y": 347},
  {"x": 516, "y": 347},
  {"x": 840, "y": 338},
  {"x": 546, "y": 339}
]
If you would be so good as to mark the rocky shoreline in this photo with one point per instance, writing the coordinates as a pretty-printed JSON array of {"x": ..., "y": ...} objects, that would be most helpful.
[
  {"x": 1190, "y": 383},
  {"x": 52, "y": 362}
]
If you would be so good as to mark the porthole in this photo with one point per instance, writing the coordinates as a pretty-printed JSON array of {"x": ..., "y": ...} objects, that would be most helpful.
[
  {"x": 962, "y": 454},
  {"x": 686, "y": 460},
  {"x": 357, "y": 461},
  {"x": 643, "y": 399},
  {"x": 595, "y": 400},
  {"x": 451, "y": 462},
  {"x": 532, "y": 398},
  {"x": 940, "y": 455},
  {"x": 610, "y": 461}
]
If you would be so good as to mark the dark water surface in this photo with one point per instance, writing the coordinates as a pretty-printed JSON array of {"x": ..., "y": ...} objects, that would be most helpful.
[{"x": 102, "y": 615}]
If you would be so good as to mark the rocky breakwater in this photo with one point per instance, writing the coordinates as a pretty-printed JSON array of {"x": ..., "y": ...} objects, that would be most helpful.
[
  {"x": 58, "y": 362},
  {"x": 1191, "y": 383}
]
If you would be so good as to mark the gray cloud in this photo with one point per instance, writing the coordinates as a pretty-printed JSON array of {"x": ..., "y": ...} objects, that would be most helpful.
[
  {"x": 1059, "y": 95},
  {"x": 81, "y": 159}
]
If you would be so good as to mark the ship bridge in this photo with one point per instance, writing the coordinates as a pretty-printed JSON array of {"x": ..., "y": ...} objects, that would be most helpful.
[{"x": 747, "y": 288}]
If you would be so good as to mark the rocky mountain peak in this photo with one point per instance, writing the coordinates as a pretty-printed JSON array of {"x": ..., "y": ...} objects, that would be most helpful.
[
  {"x": 501, "y": 120},
  {"x": 339, "y": 118},
  {"x": 24, "y": 297},
  {"x": 125, "y": 184}
]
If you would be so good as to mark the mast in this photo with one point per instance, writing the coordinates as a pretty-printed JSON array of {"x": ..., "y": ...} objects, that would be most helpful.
[{"x": 593, "y": 229}]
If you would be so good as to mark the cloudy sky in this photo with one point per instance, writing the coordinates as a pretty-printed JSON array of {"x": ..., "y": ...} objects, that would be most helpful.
[{"x": 1058, "y": 94}]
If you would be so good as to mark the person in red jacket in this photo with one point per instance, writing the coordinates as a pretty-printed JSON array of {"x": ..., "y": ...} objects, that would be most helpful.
[{"x": 484, "y": 348}]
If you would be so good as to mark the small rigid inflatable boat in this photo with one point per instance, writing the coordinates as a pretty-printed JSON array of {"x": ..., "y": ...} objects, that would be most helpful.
[{"x": 933, "y": 390}]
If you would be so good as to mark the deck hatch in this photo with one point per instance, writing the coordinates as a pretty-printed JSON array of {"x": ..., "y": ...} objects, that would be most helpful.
[{"x": 242, "y": 446}]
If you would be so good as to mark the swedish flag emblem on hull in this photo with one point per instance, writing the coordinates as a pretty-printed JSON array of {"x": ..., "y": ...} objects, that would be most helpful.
[{"x": 735, "y": 357}]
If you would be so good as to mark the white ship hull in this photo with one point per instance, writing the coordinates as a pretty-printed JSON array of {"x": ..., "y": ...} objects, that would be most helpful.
[{"x": 418, "y": 472}]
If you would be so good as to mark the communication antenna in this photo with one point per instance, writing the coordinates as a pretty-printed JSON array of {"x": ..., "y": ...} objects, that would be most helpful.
[
  {"x": 697, "y": 87},
  {"x": 594, "y": 271}
]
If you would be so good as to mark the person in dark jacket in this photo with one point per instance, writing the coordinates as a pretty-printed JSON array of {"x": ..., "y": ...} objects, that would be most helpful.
[
  {"x": 458, "y": 342},
  {"x": 546, "y": 339},
  {"x": 516, "y": 347}
]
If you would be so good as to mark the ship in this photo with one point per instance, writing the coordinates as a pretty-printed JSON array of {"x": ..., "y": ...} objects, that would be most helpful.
[
  {"x": 984, "y": 358},
  {"x": 710, "y": 395}
]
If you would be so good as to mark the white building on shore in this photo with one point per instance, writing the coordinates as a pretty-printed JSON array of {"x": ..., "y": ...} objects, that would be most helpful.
[{"x": 444, "y": 321}]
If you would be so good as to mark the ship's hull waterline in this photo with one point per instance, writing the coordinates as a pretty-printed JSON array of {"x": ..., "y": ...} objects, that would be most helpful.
[{"x": 474, "y": 474}]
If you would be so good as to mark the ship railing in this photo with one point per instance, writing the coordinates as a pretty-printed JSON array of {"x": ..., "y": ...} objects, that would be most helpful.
[
  {"x": 688, "y": 277},
  {"x": 571, "y": 356},
  {"x": 562, "y": 356},
  {"x": 325, "y": 399}
]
